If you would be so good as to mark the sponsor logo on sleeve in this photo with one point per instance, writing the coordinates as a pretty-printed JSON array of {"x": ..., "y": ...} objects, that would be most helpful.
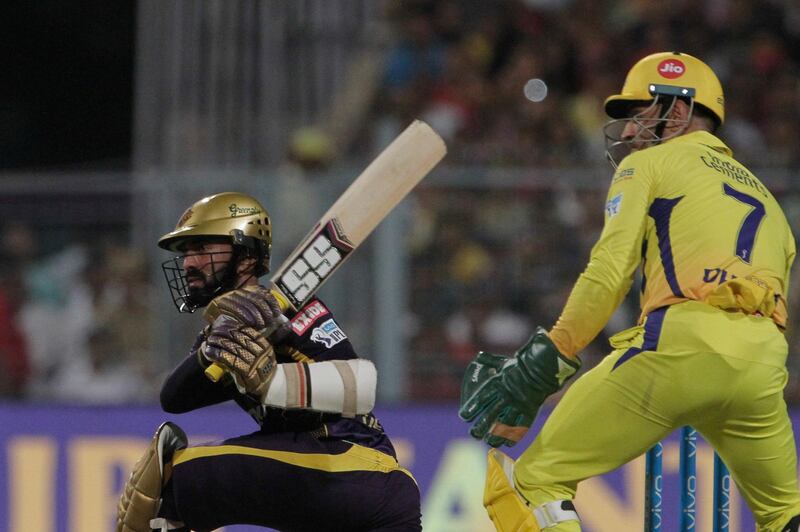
[
  {"x": 328, "y": 333},
  {"x": 308, "y": 316},
  {"x": 613, "y": 205},
  {"x": 623, "y": 174}
]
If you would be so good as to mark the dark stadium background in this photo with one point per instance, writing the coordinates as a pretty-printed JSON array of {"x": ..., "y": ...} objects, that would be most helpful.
[{"x": 114, "y": 114}]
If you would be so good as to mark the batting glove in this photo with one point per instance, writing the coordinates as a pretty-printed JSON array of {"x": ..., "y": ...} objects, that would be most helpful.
[
  {"x": 243, "y": 352},
  {"x": 254, "y": 306}
]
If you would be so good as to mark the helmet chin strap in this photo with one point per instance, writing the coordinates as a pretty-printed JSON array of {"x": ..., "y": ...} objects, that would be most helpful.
[
  {"x": 250, "y": 274},
  {"x": 662, "y": 124},
  {"x": 659, "y": 129},
  {"x": 230, "y": 278}
]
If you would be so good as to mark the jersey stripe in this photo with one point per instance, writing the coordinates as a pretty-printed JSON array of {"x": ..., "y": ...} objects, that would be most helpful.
[
  {"x": 356, "y": 458},
  {"x": 660, "y": 211},
  {"x": 652, "y": 333}
]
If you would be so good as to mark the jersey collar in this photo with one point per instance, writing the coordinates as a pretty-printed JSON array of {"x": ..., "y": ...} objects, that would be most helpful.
[{"x": 705, "y": 138}]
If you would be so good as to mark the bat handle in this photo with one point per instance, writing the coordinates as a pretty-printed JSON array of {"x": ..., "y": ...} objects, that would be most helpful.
[{"x": 215, "y": 371}]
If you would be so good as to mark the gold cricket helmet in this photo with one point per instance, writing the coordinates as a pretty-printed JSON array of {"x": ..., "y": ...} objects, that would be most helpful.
[
  {"x": 239, "y": 217},
  {"x": 669, "y": 74}
]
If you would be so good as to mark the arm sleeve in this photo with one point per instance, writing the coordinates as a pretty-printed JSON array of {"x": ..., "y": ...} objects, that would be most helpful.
[
  {"x": 187, "y": 388},
  {"x": 317, "y": 335},
  {"x": 792, "y": 247},
  {"x": 782, "y": 303},
  {"x": 614, "y": 259}
]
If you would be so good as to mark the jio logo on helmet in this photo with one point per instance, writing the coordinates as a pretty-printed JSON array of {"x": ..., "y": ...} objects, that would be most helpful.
[{"x": 671, "y": 68}]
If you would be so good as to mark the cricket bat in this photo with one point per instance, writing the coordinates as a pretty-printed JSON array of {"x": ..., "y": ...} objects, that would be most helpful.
[{"x": 353, "y": 216}]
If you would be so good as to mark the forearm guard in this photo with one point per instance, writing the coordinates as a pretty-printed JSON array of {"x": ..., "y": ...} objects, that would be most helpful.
[{"x": 344, "y": 387}]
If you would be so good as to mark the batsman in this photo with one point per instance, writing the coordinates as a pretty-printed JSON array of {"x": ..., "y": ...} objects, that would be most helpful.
[
  {"x": 318, "y": 459},
  {"x": 714, "y": 251}
]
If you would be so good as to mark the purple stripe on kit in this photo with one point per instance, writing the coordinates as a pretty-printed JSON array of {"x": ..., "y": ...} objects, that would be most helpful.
[
  {"x": 661, "y": 211},
  {"x": 652, "y": 332}
]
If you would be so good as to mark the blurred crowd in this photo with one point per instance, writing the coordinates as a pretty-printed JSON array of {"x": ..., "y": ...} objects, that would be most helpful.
[
  {"x": 76, "y": 323},
  {"x": 462, "y": 66},
  {"x": 491, "y": 262}
]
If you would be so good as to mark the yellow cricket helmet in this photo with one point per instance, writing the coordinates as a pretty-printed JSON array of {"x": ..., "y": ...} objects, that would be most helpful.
[
  {"x": 233, "y": 215},
  {"x": 669, "y": 74}
]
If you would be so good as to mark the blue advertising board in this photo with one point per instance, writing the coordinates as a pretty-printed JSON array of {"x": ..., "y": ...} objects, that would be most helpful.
[{"x": 62, "y": 467}]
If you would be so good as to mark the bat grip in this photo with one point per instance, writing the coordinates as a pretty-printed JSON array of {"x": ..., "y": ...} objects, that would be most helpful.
[{"x": 215, "y": 371}]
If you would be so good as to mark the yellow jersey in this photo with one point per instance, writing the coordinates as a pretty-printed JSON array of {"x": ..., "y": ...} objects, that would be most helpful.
[{"x": 701, "y": 226}]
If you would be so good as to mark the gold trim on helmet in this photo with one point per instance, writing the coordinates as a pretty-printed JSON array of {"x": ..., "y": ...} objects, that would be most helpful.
[
  {"x": 238, "y": 217},
  {"x": 672, "y": 72}
]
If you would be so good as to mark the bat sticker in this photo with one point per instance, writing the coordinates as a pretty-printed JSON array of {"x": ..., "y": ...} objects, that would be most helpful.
[{"x": 318, "y": 260}]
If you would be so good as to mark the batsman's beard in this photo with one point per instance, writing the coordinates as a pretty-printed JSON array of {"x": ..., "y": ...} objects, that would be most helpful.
[{"x": 210, "y": 286}]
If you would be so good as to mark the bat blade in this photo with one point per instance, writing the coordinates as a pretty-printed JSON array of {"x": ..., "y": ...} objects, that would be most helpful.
[
  {"x": 365, "y": 203},
  {"x": 350, "y": 220}
]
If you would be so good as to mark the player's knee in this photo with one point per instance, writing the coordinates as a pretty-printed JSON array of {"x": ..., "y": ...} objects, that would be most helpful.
[
  {"x": 793, "y": 525},
  {"x": 141, "y": 496},
  {"x": 510, "y": 512}
]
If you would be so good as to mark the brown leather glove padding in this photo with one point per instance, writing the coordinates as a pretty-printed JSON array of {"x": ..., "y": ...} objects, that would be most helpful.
[
  {"x": 254, "y": 306},
  {"x": 245, "y": 353}
]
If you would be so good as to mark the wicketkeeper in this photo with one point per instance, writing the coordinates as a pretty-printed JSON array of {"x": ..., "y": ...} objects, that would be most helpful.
[
  {"x": 709, "y": 351},
  {"x": 318, "y": 459}
]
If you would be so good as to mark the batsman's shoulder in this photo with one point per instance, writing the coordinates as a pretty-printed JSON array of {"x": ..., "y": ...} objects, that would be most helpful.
[{"x": 318, "y": 334}]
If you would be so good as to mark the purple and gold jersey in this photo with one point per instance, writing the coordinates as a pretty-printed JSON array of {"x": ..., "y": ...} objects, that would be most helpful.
[
  {"x": 315, "y": 337},
  {"x": 302, "y": 470},
  {"x": 693, "y": 218}
]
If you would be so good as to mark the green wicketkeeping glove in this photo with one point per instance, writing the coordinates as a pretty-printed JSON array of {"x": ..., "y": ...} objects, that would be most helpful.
[{"x": 507, "y": 392}]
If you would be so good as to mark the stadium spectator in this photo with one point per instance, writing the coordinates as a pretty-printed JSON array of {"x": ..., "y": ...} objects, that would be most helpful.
[{"x": 14, "y": 364}]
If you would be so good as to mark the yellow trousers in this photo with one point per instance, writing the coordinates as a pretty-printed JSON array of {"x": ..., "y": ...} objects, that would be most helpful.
[{"x": 721, "y": 372}]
